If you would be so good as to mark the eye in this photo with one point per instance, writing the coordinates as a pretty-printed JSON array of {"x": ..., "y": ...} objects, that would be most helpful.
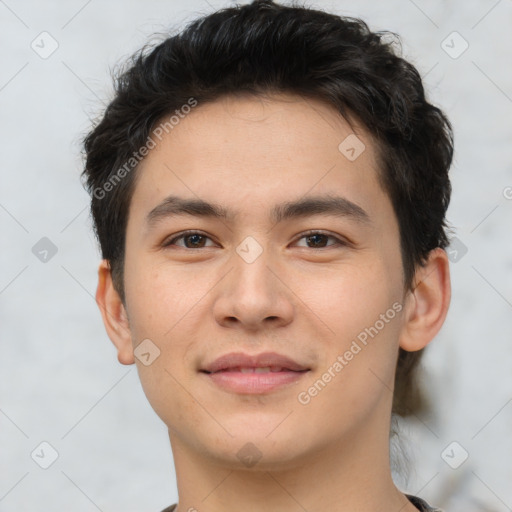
[
  {"x": 317, "y": 238},
  {"x": 196, "y": 240}
]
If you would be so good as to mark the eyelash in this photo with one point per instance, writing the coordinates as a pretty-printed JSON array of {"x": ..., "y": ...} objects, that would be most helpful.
[{"x": 184, "y": 234}]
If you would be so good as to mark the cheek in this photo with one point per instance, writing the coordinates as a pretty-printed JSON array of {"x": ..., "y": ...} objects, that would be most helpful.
[
  {"x": 157, "y": 299},
  {"x": 168, "y": 309},
  {"x": 161, "y": 307},
  {"x": 360, "y": 313},
  {"x": 349, "y": 298}
]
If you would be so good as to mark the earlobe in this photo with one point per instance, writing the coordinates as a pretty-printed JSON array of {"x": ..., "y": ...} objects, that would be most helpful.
[
  {"x": 428, "y": 304},
  {"x": 114, "y": 314}
]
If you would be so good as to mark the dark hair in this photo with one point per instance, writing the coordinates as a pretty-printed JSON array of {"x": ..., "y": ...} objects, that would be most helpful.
[{"x": 263, "y": 48}]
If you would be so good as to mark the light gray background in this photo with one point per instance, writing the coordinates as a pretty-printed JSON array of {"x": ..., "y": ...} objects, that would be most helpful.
[{"x": 61, "y": 382}]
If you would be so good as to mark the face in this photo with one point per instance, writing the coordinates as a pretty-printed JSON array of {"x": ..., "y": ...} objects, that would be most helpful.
[{"x": 299, "y": 255}]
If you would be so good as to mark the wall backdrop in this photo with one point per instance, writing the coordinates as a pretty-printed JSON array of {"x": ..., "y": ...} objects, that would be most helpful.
[{"x": 76, "y": 431}]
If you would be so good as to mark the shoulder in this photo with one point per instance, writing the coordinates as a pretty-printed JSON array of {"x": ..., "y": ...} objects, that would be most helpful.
[
  {"x": 171, "y": 508},
  {"x": 420, "y": 504}
]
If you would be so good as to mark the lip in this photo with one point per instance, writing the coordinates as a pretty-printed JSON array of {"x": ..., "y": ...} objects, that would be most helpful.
[
  {"x": 242, "y": 360},
  {"x": 225, "y": 372}
]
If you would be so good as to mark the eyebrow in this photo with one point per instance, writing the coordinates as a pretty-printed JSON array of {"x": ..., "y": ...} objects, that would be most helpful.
[{"x": 336, "y": 206}]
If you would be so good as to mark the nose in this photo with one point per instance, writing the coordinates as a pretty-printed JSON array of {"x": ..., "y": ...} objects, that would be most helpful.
[{"x": 254, "y": 296}]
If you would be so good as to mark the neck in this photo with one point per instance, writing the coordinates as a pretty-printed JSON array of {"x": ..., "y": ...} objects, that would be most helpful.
[{"x": 351, "y": 474}]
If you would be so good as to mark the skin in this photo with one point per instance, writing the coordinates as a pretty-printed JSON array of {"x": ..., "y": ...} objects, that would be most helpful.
[{"x": 197, "y": 299}]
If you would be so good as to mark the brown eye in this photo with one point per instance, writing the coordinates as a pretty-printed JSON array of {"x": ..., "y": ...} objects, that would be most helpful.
[
  {"x": 318, "y": 240},
  {"x": 195, "y": 240},
  {"x": 191, "y": 240}
]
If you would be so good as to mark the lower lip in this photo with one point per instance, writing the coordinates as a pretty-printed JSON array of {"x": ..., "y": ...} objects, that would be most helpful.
[{"x": 254, "y": 383}]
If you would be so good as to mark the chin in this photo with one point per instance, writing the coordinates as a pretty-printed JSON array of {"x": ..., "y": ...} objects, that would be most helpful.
[
  {"x": 258, "y": 455},
  {"x": 260, "y": 449}
]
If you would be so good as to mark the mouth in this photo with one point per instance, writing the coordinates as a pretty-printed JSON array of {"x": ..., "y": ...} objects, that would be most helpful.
[
  {"x": 255, "y": 369},
  {"x": 245, "y": 374},
  {"x": 254, "y": 381},
  {"x": 243, "y": 361}
]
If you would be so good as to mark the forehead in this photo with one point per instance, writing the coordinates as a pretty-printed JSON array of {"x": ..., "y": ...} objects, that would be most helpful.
[
  {"x": 245, "y": 148},
  {"x": 280, "y": 123}
]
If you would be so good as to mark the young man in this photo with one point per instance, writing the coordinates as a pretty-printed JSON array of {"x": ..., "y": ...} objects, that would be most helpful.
[{"x": 269, "y": 190}]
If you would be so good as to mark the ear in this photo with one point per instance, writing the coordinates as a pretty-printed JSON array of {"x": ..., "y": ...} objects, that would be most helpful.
[
  {"x": 114, "y": 314},
  {"x": 428, "y": 302}
]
